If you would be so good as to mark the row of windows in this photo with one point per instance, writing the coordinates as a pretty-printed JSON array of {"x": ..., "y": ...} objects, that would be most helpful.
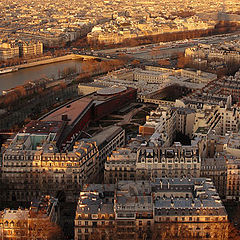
[
  {"x": 45, "y": 164},
  {"x": 191, "y": 219},
  {"x": 22, "y": 157},
  {"x": 168, "y": 160},
  {"x": 94, "y": 223}
]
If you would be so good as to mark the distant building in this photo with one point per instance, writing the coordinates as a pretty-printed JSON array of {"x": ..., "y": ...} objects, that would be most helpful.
[
  {"x": 150, "y": 76},
  {"x": 27, "y": 49},
  {"x": 8, "y": 51},
  {"x": 218, "y": 52},
  {"x": 20, "y": 49},
  {"x": 88, "y": 88},
  {"x": 193, "y": 75}
]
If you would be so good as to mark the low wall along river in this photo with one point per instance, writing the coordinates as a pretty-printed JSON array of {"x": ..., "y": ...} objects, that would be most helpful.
[{"x": 50, "y": 68}]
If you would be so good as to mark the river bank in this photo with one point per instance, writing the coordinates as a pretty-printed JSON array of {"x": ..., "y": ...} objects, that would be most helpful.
[
  {"x": 47, "y": 61},
  {"x": 47, "y": 71}
]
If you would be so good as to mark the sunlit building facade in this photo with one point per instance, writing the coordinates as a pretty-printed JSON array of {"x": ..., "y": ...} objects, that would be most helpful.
[
  {"x": 166, "y": 207},
  {"x": 33, "y": 165},
  {"x": 21, "y": 223}
]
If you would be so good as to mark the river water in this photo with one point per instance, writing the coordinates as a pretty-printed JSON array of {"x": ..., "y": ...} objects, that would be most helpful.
[{"x": 53, "y": 70}]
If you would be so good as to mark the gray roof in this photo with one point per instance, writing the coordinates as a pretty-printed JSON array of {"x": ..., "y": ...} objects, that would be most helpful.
[{"x": 106, "y": 135}]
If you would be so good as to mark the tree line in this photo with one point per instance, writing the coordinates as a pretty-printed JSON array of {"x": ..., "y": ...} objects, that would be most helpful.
[
  {"x": 168, "y": 231},
  {"x": 220, "y": 28}
]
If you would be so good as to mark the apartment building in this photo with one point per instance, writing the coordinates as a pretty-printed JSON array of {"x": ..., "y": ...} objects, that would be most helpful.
[
  {"x": 197, "y": 76},
  {"x": 163, "y": 207},
  {"x": 95, "y": 211},
  {"x": 133, "y": 209},
  {"x": 121, "y": 165},
  {"x": 231, "y": 86},
  {"x": 185, "y": 119},
  {"x": 14, "y": 223},
  {"x": 30, "y": 48},
  {"x": 193, "y": 205},
  {"x": 170, "y": 119},
  {"x": 21, "y": 223},
  {"x": 220, "y": 119},
  {"x": 233, "y": 179},
  {"x": 219, "y": 52},
  {"x": 216, "y": 169},
  {"x": 33, "y": 164},
  {"x": 20, "y": 49},
  {"x": 151, "y": 162},
  {"x": 221, "y": 163},
  {"x": 160, "y": 125},
  {"x": 174, "y": 161},
  {"x": 8, "y": 51},
  {"x": 107, "y": 141},
  {"x": 149, "y": 76}
]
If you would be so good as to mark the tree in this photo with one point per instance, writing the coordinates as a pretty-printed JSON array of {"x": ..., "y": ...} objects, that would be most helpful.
[
  {"x": 233, "y": 233},
  {"x": 40, "y": 227},
  {"x": 164, "y": 62},
  {"x": 232, "y": 66},
  {"x": 135, "y": 63},
  {"x": 168, "y": 231},
  {"x": 182, "y": 61},
  {"x": 103, "y": 232}
]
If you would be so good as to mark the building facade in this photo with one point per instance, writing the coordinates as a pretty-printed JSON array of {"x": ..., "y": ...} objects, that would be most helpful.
[
  {"x": 33, "y": 165},
  {"x": 121, "y": 165},
  {"x": 168, "y": 207},
  {"x": 174, "y": 161},
  {"x": 8, "y": 51},
  {"x": 37, "y": 221},
  {"x": 27, "y": 49}
]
